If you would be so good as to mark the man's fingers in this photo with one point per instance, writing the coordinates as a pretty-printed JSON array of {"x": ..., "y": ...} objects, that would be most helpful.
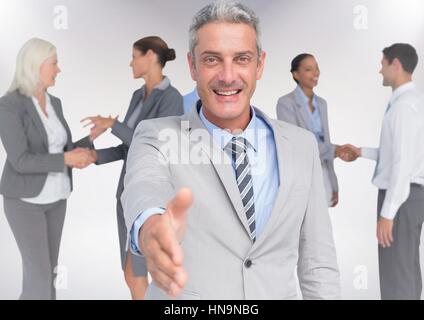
[
  {"x": 388, "y": 237},
  {"x": 162, "y": 279},
  {"x": 171, "y": 285},
  {"x": 170, "y": 245},
  {"x": 162, "y": 238},
  {"x": 177, "y": 211},
  {"x": 162, "y": 261},
  {"x": 181, "y": 202},
  {"x": 390, "y": 234},
  {"x": 380, "y": 237},
  {"x": 181, "y": 277},
  {"x": 159, "y": 251},
  {"x": 383, "y": 238}
]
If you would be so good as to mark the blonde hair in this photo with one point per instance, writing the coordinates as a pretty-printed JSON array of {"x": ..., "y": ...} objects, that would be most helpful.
[{"x": 28, "y": 62}]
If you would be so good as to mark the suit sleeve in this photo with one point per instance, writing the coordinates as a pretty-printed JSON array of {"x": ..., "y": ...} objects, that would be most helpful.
[
  {"x": 317, "y": 265},
  {"x": 333, "y": 176},
  {"x": 84, "y": 143},
  {"x": 111, "y": 154},
  {"x": 123, "y": 132},
  {"x": 330, "y": 162},
  {"x": 147, "y": 182},
  {"x": 285, "y": 112},
  {"x": 15, "y": 143},
  {"x": 171, "y": 105}
]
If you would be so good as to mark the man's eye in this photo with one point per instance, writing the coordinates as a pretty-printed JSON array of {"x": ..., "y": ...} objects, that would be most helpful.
[
  {"x": 210, "y": 60},
  {"x": 243, "y": 59}
]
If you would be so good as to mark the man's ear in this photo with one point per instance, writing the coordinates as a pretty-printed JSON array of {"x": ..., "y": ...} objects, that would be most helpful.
[
  {"x": 397, "y": 64},
  {"x": 192, "y": 66},
  {"x": 261, "y": 65}
]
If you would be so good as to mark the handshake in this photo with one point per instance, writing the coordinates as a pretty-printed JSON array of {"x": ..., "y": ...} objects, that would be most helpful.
[
  {"x": 348, "y": 152},
  {"x": 80, "y": 158}
]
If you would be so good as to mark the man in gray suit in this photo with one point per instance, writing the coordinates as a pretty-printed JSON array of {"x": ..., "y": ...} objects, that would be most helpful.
[{"x": 250, "y": 205}]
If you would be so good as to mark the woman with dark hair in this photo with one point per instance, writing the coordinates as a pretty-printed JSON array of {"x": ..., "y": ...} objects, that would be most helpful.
[
  {"x": 155, "y": 99},
  {"x": 303, "y": 108}
]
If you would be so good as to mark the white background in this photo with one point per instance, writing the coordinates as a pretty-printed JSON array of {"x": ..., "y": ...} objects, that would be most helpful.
[{"x": 94, "y": 53}]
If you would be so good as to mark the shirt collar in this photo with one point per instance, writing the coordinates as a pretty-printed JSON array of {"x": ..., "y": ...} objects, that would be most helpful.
[
  {"x": 223, "y": 137},
  {"x": 163, "y": 85},
  {"x": 402, "y": 89},
  {"x": 305, "y": 99},
  {"x": 48, "y": 103}
]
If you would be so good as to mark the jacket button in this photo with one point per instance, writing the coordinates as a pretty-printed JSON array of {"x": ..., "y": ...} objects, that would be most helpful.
[{"x": 248, "y": 263}]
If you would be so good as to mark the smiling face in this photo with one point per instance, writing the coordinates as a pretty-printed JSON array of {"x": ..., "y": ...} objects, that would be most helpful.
[
  {"x": 226, "y": 67},
  {"x": 308, "y": 73},
  {"x": 389, "y": 71},
  {"x": 48, "y": 72}
]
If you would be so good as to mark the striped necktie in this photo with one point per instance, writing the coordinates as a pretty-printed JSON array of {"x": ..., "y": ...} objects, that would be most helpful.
[{"x": 238, "y": 148}]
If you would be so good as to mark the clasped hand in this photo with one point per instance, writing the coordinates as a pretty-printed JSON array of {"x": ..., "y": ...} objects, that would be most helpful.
[
  {"x": 80, "y": 158},
  {"x": 348, "y": 152}
]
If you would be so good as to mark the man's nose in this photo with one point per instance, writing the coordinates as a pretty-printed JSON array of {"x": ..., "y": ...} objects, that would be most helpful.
[{"x": 227, "y": 72}]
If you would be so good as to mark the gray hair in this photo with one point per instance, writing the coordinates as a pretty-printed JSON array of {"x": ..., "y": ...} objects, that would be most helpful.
[
  {"x": 224, "y": 11},
  {"x": 28, "y": 62}
]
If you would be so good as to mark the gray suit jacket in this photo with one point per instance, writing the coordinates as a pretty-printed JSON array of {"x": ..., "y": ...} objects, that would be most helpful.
[
  {"x": 217, "y": 244},
  {"x": 161, "y": 103},
  {"x": 290, "y": 109},
  {"x": 25, "y": 140}
]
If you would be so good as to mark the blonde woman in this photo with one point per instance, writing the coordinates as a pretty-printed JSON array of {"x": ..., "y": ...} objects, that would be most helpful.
[{"x": 37, "y": 175}]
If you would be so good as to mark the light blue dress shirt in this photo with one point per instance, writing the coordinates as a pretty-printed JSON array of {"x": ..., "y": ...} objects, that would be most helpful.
[
  {"x": 315, "y": 116},
  {"x": 189, "y": 100},
  {"x": 262, "y": 155}
]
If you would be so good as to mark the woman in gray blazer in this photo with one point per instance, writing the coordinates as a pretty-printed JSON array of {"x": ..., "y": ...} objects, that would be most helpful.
[
  {"x": 155, "y": 99},
  {"x": 37, "y": 176},
  {"x": 303, "y": 108}
]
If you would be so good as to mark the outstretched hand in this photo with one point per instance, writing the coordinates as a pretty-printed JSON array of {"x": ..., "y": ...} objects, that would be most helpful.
[
  {"x": 159, "y": 240},
  {"x": 99, "y": 125}
]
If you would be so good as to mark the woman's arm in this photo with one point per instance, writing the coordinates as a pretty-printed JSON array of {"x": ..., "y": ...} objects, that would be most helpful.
[
  {"x": 84, "y": 143},
  {"x": 111, "y": 154},
  {"x": 123, "y": 132}
]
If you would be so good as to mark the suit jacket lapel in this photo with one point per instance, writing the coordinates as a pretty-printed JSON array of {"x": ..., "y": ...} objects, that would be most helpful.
[
  {"x": 138, "y": 95},
  {"x": 324, "y": 121},
  {"x": 36, "y": 120},
  {"x": 285, "y": 171},
  {"x": 223, "y": 168},
  {"x": 62, "y": 120},
  {"x": 303, "y": 115},
  {"x": 149, "y": 104}
]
